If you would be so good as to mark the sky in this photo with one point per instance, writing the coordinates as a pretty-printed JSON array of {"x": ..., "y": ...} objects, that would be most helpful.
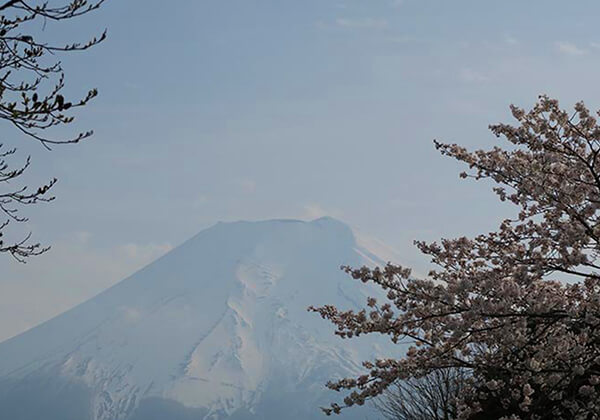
[{"x": 249, "y": 110}]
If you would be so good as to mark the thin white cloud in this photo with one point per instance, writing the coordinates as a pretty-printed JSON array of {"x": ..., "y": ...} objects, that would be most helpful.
[
  {"x": 314, "y": 211},
  {"x": 472, "y": 76},
  {"x": 511, "y": 40},
  {"x": 144, "y": 253},
  {"x": 200, "y": 201},
  {"x": 247, "y": 185},
  {"x": 361, "y": 23},
  {"x": 569, "y": 48},
  {"x": 82, "y": 237},
  {"x": 403, "y": 39},
  {"x": 75, "y": 269}
]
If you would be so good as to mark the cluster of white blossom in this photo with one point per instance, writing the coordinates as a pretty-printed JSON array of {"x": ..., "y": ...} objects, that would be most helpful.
[{"x": 497, "y": 305}]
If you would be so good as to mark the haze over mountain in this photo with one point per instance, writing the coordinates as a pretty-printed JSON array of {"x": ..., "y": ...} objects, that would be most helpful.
[{"x": 215, "y": 329}]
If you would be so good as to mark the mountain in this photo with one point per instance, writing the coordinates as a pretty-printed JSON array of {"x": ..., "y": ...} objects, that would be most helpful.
[{"x": 215, "y": 329}]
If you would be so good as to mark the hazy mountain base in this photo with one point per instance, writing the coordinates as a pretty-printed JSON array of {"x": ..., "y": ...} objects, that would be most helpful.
[
  {"x": 53, "y": 398},
  {"x": 163, "y": 409},
  {"x": 38, "y": 397}
]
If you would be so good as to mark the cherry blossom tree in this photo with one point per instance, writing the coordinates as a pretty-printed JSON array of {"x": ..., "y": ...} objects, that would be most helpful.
[
  {"x": 517, "y": 308},
  {"x": 32, "y": 81}
]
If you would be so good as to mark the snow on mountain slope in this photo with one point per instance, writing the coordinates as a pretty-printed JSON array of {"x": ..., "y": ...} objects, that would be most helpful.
[{"x": 218, "y": 325}]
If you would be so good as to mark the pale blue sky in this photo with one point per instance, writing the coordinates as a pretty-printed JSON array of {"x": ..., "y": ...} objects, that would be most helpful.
[{"x": 227, "y": 110}]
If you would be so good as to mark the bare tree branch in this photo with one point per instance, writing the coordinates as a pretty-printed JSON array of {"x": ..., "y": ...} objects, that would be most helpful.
[{"x": 31, "y": 99}]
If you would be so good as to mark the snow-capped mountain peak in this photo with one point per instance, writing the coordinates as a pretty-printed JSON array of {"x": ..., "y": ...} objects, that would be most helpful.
[{"x": 215, "y": 329}]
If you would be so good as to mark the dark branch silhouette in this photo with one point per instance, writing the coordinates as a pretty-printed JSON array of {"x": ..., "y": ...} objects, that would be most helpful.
[
  {"x": 31, "y": 100},
  {"x": 431, "y": 397}
]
